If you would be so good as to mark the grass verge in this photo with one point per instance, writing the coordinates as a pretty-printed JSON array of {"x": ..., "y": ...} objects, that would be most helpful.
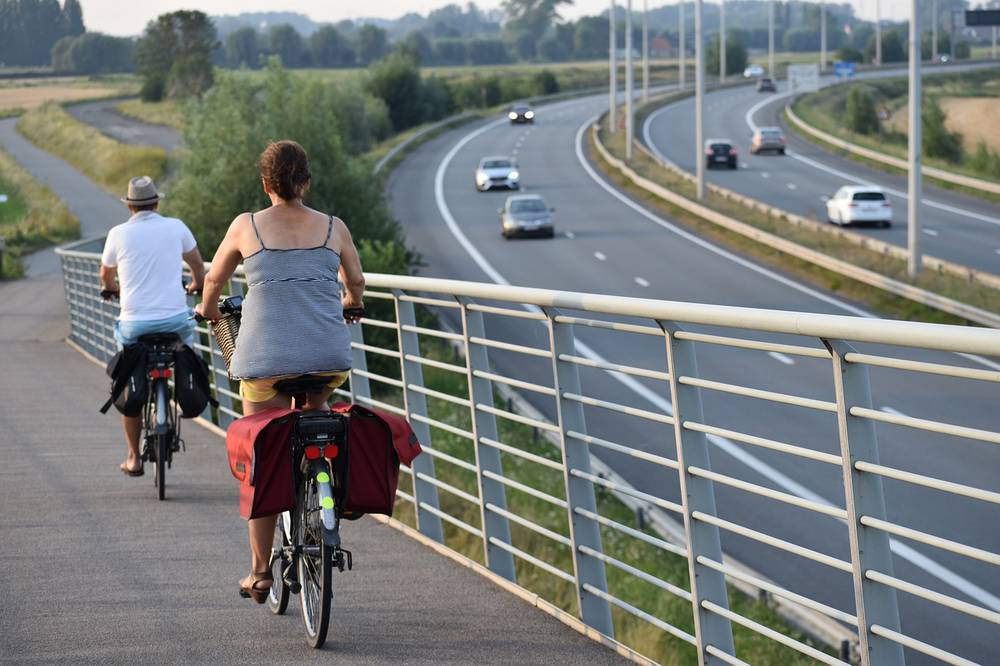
[
  {"x": 167, "y": 112},
  {"x": 882, "y": 301},
  {"x": 105, "y": 161},
  {"x": 31, "y": 218},
  {"x": 630, "y": 630}
]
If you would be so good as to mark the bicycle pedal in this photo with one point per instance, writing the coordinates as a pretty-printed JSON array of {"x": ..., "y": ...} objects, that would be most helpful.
[{"x": 294, "y": 586}]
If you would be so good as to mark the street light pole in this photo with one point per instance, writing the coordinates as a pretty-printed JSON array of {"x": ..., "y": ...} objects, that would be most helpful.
[
  {"x": 628, "y": 80},
  {"x": 878, "y": 35},
  {"x": 934, "y": 22},
  {"x": 645, "y": 50},
  {"x": 722, "y": 41},
  {"x": 914, "y": 181},
  {"x": 682, "y": 53},
  {"x": 822, "y": 36},
  {"x": 770, "y": 41},
  {"x": 699, "y": 93},
  {"x": 613, "y": 75},
  {"x": 994, "y": 42}
]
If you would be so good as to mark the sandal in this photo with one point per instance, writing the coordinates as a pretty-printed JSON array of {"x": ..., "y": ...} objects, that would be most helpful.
[
  {"x": 131, "y": 472},
  {"x": 256, "y": 593}
]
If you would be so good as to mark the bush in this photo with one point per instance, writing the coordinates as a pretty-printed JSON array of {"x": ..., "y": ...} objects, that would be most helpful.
[
  {"x": 396, "y": 80},
  {"x": 985, "y": 161},
  {"x": 800, "y": 39},
  {"x": 962, "y": 51},
  {"x": 736, "y": 56},
  {"x": 233, "y": 122},
  {"x": 861, "y": 115},
  {"x": 93, "y": 53},
  {"x": 152, "y": 89},
  {"x": 437, "y": 98},
  {"x": 937, "y": 140},
  {"x": 545, "y": 83},
  {"x": 849, "y": 54},
  {"x": 892, "y": 48}
]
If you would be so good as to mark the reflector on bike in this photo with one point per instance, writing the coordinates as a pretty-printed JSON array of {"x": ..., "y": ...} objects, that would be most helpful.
[
  {"x": 313, "y": 452},
  {"x": 330, "y": 451}
]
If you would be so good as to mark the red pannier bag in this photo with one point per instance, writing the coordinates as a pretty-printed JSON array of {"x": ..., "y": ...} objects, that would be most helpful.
[
  {"x": 260, "y": 459},
  {"x": 376, "y": 443}
]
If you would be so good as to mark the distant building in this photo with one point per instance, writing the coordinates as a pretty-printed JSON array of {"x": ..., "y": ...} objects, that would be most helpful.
[{"x": 661, "y": 47}]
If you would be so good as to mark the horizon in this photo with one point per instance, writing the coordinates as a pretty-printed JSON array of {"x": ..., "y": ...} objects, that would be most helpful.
[{"x": 126, "y": 20}]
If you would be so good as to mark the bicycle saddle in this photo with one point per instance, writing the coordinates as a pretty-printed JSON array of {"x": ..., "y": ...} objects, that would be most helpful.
[
  {"x": 159, "y": 339},
  {"x": 302, "y": 384}
]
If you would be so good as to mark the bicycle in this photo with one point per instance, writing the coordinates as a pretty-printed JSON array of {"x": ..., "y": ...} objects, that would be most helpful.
[
  {"x": 161, "y": 431},
  {"x": 307, "y": 544}
]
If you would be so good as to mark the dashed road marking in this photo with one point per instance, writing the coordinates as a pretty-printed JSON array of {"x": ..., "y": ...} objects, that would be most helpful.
[
  {"x": 787, "y": 360},
  {"x": 744, "y": 165},
  {"x": 642, "y": 282},
  {"x": 791, "y": 186},
  {"x": 570, "y": 235},
  {"x": 931, "y": 232},
  {"x": 764, "y": 174},
  {"x": 600, "y": 256}
]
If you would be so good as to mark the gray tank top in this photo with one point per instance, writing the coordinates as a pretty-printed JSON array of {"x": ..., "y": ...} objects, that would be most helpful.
[{"x": 293, "y": 319}]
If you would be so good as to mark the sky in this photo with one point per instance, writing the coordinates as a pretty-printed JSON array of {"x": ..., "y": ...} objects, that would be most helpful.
[{"x": 118, "y": 17}]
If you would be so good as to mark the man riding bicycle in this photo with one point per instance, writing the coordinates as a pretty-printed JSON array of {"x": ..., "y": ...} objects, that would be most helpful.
[{"x": 145, "y": 255}]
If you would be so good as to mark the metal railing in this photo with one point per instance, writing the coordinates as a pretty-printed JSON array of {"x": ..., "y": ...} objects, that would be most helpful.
[{"x": 542, "y": 344}]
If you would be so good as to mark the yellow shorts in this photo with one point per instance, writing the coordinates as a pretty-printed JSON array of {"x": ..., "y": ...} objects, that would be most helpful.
[{"x": 262, "y": 390}]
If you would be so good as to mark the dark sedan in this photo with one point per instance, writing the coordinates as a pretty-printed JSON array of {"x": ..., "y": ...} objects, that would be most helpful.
[
  {"x": 521, "y": 113},
  {"x": 720, "y": 152},
  {"x": 526, "y": 215}
]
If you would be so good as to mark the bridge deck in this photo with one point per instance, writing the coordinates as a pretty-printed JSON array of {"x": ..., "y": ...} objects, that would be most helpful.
[{"x": 97, "y": 570}]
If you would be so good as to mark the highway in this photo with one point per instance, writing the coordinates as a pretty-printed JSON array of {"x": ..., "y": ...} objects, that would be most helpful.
[
  {"x": 608, "y": 243},
  {"x": 956, "y": 227}
]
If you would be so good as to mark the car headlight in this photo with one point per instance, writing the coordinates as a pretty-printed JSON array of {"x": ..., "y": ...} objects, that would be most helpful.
[
  {"x": 513, "y": 175},
  {"x": 512, "y": 115},
  {"x": 480, "y": 176},
  {"x": 529, "y": 114}
]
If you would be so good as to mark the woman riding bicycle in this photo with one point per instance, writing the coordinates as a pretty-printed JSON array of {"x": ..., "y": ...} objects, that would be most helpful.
[{"x": 296, "y": 260}]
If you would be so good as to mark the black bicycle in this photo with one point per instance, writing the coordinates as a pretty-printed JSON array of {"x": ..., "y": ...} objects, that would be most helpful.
[{"x": 307, "y": 545}]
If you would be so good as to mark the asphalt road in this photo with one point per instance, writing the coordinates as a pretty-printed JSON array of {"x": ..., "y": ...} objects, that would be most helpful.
[
  {"x": 957, "y": 227},
  {"x": 98, "y": 571},
  {"x": 611, "y": 244},
  {"x": 104, "y": 116}
]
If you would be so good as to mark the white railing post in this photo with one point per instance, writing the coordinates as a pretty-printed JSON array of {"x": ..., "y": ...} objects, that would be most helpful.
[
  {"x": 484, "y": 425},
  {"x": 361, "y": 389},
  {"x": 424, "y": 494},
  {"x": 697, "y": 494},
  {"x": 874, "y": 603},
  {"x": 220, "y": 373},
  {"x": 584, "y": 532}
]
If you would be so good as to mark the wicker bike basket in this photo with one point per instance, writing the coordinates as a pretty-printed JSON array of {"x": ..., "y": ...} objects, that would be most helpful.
[{"x": 226, "y": 330}]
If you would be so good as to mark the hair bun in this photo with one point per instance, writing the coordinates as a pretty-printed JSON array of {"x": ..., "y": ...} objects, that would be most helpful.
[{"x": 284, "y": 166}]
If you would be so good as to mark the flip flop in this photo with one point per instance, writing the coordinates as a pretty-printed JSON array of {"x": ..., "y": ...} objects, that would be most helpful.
[{"x": 131, "y": 472}]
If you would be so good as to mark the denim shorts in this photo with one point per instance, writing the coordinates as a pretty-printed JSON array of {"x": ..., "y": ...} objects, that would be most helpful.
[{"x": 128, "y": 332}]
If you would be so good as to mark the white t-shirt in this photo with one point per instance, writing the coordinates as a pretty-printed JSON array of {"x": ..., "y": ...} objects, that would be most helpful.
[{"x": 147, "y": 251}]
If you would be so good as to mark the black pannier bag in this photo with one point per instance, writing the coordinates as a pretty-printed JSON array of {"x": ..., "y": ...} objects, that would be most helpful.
[
  {"x": 129, "y": 384},
  {"x": 192, "y": 388}
]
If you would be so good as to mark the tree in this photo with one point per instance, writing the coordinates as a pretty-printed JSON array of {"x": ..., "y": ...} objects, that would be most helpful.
[
  {"x": 396, "y": 80},
  {"x": 848, "y": 54},
  {"x": 72, "y": 18},
  {"x": 530, "y": 18},
  {"x": 416, "y": 46},
  {"x": 937, "y": 140},
  {"x": 944, "y": 44},
  {"x": 488, "y": 52},
  {"x": 892, "y": 48},
  {"x": 28, "y": 31},
  {"x": 284, "y": 41},
  {"x": 450, "y": 51},
  {"x": 590, "y": 37},
  {"x": 373, "y": 43},
  {"x": 330, "y": 48},
  {"x": 174, "y": 55},
  {"x": 93, "y": 53},
  {"x": 736, "y": 55},
  {"x": 861, "y": 115},
  {"x": 801, "y": 39},
  {"x": 242, "y": 48}
]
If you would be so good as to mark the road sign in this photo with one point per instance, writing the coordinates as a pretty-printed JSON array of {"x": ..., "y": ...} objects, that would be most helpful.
[
  {"x": 843, "y": 69},
  {"x": 803, "y": 78},
  {"x": 979, "y": 17}
]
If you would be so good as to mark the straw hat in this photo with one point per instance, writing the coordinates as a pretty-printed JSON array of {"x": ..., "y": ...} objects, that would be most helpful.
[{"x": 141, "y": 192}]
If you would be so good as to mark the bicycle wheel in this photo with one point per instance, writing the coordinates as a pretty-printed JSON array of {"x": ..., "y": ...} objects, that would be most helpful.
[
  {"x": 315, "y": 569},
  {"x": 277, "y": 600},
  {"x": 162, "y": 442}
]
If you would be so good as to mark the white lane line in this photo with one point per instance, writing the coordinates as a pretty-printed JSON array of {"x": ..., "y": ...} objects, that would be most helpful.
[
  {"x": 642, "y": 282},
  {"x": 791, "y": 186},
  {"x": 837, "y": 172},
  {"x": 654, "y": 398},
  {"x": 787, "y": 360},
  {"x": 600, "y": 256},
  {"x": 824, "y": 198},
  {"x": 931, "y": 232},
  {"x": 764, "y": 174},
  {"x": 570, "y": 235},
  {"x": 744, "y": 165},
  {"x": 998, "y": 250}
]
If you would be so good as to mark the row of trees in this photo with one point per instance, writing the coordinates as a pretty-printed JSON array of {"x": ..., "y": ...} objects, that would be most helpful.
[{"x": 30, "y": 28}]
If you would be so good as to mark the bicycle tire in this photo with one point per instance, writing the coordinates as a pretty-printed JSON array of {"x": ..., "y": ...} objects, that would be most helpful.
[
  {"x": 162, "y": 442},
  {"x": 277, "y": 600},
  {"x": 315, "y": 572}
]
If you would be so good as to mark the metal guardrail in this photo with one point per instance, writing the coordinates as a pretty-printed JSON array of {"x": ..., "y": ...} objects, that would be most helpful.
[
  {"x": 839, "y": 266},
  {"x": 874, "y": 155},
  {"x": 565, "y": 371}
]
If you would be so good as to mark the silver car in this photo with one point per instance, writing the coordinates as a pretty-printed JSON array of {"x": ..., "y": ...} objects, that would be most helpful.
[
  {"x": 497, "y": 172},
  {"x": 526, "y": 215}
]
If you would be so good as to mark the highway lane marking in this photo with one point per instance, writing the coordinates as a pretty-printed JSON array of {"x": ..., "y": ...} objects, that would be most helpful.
[
  {"x": 931, "y": 232},
  {"x": 903, "y": 550},
  {"x": 764, "y": 174},
  {"x": 570, "y": 235},
  {"x": 787, "y": 360},
  {"x": 642, "y": 282},
  {"x": 600, "y": 256},
  {"x": 791, "y": 186},
  {"x": 654, "y": 398},
  {"x": 824, "y": 198}
]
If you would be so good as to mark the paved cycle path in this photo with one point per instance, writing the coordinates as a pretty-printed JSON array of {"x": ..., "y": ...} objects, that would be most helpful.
[
  {"x": 96, "y": 570},
  {"x": 104, "y": 116}
]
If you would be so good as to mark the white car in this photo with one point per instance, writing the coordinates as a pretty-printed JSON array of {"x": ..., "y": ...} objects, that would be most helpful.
[
  {"x": 753, "y": 72},
  {"x": 497, "y": 172},
  {"x": 859, "y": 204}
]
